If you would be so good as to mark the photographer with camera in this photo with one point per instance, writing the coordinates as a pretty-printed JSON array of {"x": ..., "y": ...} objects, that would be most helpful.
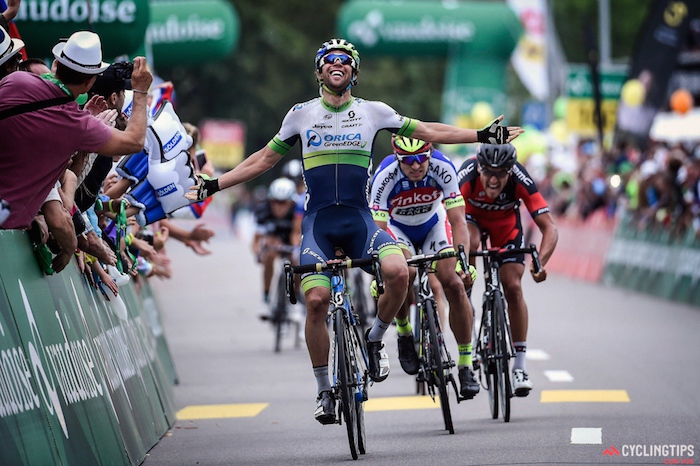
[{"x": 47, "y": 126}]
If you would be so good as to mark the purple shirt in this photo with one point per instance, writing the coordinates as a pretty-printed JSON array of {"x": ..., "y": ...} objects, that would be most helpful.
[{"x": 35, "y": 147}]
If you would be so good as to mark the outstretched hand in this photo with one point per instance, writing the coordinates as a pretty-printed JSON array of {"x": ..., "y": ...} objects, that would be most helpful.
[
  {"x": 495, "y": 133},
  {"x": 202, "y": 190}
]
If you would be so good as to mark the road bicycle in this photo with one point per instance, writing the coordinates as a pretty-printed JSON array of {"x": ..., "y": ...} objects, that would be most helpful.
[
  {"x": 494, "y": 344},
  {"x": 364, "y": 303},
  {"x": 279, "y": 305},
  {"x": 435, "y": 370},
  {"x": 349, "y": 357}
]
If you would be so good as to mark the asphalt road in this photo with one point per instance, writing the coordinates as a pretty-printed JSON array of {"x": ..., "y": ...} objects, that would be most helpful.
[{"x": 614, "y": 372}]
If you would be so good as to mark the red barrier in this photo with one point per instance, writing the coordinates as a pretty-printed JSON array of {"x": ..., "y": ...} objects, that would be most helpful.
[{"x": 582, "y": 246}]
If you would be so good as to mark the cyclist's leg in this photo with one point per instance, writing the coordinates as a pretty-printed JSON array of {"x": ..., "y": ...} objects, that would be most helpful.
[
  {"x": 408, "y": 250},
  {"x": 316, "y": 288},
  {"x": 268, "y": 263},
  {"x": 394, "y": 275}
]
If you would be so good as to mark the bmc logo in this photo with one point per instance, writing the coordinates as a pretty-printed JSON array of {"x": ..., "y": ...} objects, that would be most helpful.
[{"x": 612, "y": 451}]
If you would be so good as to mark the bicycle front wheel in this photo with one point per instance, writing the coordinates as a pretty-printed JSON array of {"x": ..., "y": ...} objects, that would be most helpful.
[
  {"x": 438, "y": 367},
  {"x": 502, "y": 362},
  {"x": 346, "y": 380},
  {"x": 489, "y": 358},
  {"x": 279, "y": 317}
]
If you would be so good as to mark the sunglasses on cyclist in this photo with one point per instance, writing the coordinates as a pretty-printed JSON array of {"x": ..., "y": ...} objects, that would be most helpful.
[
  {"x": 410, "y": 159},
  {"x": 333, "y": 58},
  {"x": 500, "y": 174}
]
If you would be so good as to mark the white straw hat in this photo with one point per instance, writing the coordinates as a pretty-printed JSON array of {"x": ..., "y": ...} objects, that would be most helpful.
[
  {"x": 82, "y": 53},
  {"x": 8, "y": 46}
]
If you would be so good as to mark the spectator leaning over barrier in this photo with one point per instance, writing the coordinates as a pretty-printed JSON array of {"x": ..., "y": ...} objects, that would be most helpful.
[{"x": 41, "y": 125}]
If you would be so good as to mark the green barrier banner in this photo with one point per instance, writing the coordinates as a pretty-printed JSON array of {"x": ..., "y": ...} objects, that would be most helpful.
[
  {"x": 88, "y": 370},
  {"x": 652, "y": 261}
]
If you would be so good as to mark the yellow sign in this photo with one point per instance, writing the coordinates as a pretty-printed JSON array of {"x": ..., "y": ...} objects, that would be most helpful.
[
  {"x": 224, "y": 142},
  {"x": 580, "y": 115}
]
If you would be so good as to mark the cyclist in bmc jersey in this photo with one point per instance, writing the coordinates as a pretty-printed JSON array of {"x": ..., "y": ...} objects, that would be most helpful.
[
  {"x": 337, "y": 133},
  {"x": 408, "y": 190},
  {"x": 493, "y": 184}
]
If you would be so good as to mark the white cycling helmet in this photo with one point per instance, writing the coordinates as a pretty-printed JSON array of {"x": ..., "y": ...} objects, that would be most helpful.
[
  {"x": 292, "y": 170},
  {"x": 282, "y": 189}
]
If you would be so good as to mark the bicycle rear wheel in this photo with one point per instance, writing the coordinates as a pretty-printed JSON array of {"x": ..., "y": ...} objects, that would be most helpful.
[
  {"x": 438, "y": 367},
  {"x": 504, "y": 387},
  {"x": 346, "y": 381}
]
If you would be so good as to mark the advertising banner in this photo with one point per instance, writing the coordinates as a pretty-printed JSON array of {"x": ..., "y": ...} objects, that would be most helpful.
[{"x": 121, "y": 24}]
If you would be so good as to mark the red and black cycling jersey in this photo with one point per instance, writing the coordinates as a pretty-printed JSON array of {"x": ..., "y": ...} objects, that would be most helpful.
[{"x": 520, "y": 186}]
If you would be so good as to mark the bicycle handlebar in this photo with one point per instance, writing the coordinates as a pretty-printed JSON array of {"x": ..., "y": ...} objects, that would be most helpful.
[
  {"x": 420, "y": 259},
  {"x": 500, "y": 254},
  {"x": 332, "y": 266}
]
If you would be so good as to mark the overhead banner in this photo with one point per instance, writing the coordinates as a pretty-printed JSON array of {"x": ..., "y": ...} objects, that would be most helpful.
[
  {"x": 191, "y": 32},
  {"x": 121, "y": 24},
  {"x": 408, "y": 28}
]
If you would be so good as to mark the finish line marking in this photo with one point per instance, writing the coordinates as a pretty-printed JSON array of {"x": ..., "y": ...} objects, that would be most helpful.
[
  {"x": 584, "y": 396},
  {"x": 587, "y": 435},
  {"x": 221, "y": 411},
  {"x": 397, "y": 403}
]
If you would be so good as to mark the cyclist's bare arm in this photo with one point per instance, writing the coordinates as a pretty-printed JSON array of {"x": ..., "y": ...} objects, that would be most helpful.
[
  {"x": 255, "y": 165},
  {"x": 460, "y": 235},
  {"x": 448, "y": 134},
  {"x": 550, "y": 236}
]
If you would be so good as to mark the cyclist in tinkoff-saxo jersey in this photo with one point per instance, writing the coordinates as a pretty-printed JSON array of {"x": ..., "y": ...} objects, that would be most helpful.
[
  {"x": 408, "y": 190},
  {"x": 493, "y": 183},
  {"x": 337, "y": 132}
]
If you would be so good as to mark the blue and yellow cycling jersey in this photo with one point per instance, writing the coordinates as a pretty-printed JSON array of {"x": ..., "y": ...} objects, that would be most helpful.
[{"x": 337, "y": 145}]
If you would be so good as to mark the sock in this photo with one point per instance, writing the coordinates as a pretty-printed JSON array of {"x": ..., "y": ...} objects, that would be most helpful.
[
  {"x": 322, "y": 380},
  {"x": 465, "y": 355},
  {"x": 520, "y": 350},
  {"x": 403, "y": 326},
  {"x": 377, "y": 331}
]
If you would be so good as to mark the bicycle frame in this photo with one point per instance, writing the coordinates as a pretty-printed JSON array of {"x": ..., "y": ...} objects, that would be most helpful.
[
  {"x": 435, "y": 360},
  {"x": 494, "y": 343},
  {"x": 350, "y": 361}
]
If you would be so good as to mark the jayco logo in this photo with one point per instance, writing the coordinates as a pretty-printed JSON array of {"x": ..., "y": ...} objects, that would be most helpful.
[{"x": 63, "y": 11}]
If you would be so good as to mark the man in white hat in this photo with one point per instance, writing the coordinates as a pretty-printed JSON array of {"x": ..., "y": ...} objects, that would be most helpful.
[
  {"x": 10, "y": 55},
  {"x": 41, "y": 125}
]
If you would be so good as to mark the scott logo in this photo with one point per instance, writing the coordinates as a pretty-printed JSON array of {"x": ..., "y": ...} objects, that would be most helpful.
[
  {"x": 314, "y": 139},
  {"x": 612, "y": 451},
  {"x": 165, "y": 190}
]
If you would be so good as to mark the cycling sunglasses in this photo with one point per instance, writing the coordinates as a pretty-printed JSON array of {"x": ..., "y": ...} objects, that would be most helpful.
[
  {"x": 409, "y": 159},
  {"x": 500, "y": 174},
  {"x": 333, "y": 58}
]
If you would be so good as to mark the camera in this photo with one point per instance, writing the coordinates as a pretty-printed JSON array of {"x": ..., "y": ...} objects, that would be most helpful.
[{"x": 123, "y": 69}]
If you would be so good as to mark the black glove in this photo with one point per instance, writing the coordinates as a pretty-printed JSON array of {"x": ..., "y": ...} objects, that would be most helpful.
[
  {"x": 207, "y": 187},
  {"x": 493, "y": 133}
]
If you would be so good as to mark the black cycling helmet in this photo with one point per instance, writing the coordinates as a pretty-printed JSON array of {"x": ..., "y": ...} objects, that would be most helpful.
[{"x": 496, "y": 156}]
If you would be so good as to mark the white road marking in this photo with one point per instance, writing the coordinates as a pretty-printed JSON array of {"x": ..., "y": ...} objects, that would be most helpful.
[
  {"x": 536, "y": 355},
  {"x": 587, "y": 435},
  {"x": 559, "y": 376}
]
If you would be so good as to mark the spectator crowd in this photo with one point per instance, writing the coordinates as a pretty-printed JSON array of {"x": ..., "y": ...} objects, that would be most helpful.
[{"x": 94, "y": 161}]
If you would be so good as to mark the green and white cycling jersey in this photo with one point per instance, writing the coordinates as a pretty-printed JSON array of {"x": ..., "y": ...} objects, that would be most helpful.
[{"x": 337, "y": 146}]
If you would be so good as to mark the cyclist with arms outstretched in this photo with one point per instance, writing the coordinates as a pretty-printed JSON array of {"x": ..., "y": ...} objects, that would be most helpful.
[
  {"x": 408, "y": 190},
  {"x": 493, "y": 184},
  {"x": 337, "y": 133}
]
